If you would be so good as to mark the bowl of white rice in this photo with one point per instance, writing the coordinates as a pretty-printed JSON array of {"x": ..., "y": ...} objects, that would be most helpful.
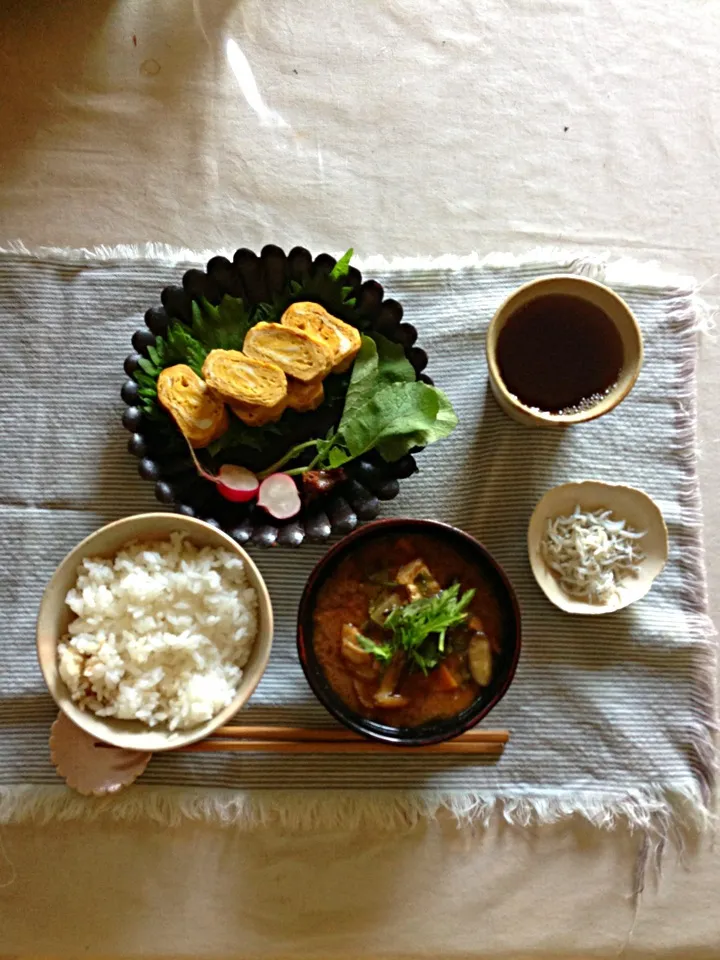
[{"x": 154, "y": 631}]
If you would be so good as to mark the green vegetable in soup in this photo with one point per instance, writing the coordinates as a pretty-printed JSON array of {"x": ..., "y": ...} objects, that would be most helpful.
[
  {"x": 381, "y": 651},
  {"x": 419, "y": 629}
]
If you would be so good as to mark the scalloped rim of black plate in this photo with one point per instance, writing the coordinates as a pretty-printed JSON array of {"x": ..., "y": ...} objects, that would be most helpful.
[
  {"x": 371, "y": 480},
  {"x": 435, "y": 731}
]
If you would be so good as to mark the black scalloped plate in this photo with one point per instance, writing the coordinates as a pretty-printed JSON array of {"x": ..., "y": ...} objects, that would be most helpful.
[{"x": 256, "y": 279}]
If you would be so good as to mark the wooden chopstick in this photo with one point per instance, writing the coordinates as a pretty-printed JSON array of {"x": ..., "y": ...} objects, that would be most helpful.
[
  {"x": 295, "y": 740},
  {"x": 337, "y": 735},
  {"x": 339, "y": 746}
]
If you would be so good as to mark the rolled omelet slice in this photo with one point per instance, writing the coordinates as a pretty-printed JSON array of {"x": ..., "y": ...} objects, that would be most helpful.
[
  {"x": 314, "y": 320},
  {"x": 199, "y": 413},
  {"x": 239, "y": 378},
  {"x": 301, "y": 356},
  {"x": 304, "y": 396},
  {"x": 310, "y": 318},
  {"x": 255, "y": 416}
]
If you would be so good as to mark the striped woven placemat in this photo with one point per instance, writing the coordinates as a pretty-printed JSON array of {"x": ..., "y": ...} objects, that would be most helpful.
[{"x": 610, "y": 716}]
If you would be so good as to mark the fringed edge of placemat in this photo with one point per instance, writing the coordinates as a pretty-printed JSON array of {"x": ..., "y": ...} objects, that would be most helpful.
[
  {"x": 640, "y": 274},
  {"x": 624, "y": 271},
  {"x": 656, "y": 811},
  {"x": 659, "y": 817},
  {"x": 690, "y": 315}
]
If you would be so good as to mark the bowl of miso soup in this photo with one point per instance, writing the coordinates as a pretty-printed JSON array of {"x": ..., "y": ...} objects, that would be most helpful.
[
  {"x": 562, "y": 350},
  {"x": 409, "y": 631}
]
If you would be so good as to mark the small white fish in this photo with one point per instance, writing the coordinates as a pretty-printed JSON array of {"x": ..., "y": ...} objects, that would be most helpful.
[{"x": 591, "y": 552}]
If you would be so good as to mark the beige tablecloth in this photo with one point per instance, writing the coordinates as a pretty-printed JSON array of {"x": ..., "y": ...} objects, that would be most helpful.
[{"x": 402, "y": 127}]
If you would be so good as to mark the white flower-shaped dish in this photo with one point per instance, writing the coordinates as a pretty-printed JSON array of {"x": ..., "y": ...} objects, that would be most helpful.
[{"x": 627, "y": 503}]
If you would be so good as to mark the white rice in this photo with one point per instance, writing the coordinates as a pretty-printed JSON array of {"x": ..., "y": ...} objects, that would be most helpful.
[{"x": 162, "y": 633}]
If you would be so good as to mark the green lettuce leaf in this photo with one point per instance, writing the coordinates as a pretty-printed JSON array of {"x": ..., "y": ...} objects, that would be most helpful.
[
  {"x": 379, "y": 363},
  {"x": 445, "y": 422},
  {"x": 394, "y": 410}
]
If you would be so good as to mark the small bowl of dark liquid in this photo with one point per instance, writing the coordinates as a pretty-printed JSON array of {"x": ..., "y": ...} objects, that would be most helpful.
[{"x": 562, "y": 350}]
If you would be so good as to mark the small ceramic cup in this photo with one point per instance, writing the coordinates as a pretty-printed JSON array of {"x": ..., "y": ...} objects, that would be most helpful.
[{"x": 600, "y": 296}]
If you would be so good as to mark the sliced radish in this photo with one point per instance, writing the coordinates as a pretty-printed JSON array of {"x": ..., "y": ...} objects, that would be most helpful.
[
  {"x": 279, "y": 496},
  {"x": 234, "y": 483},
  {"x": 237, "y": 483}
]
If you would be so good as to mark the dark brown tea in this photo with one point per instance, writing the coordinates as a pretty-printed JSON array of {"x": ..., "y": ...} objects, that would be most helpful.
[{"x": 559, "y": 354}]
